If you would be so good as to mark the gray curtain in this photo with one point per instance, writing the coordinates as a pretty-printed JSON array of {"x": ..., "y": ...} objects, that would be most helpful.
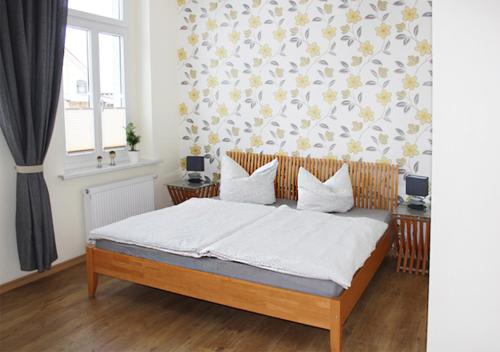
[{"x": 32, "y": 34}]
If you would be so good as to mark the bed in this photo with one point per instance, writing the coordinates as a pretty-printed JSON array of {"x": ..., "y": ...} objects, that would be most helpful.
[{"x": 314, "y": 302}]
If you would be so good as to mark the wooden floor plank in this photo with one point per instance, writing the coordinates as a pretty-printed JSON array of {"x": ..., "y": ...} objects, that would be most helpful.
[{"x": 54, "y": 314}]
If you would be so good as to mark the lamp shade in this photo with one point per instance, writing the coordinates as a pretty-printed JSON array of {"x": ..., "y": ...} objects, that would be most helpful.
[
  {"x": 417, "y": 185},
  {"x": 195, "y": 163}
]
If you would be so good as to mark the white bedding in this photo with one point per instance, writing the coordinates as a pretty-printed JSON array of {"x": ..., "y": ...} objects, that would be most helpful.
[
  {"x": 298, "y": 242},
  {"x": 185, "y": 229},
  {"x": 303, "y": 243}
]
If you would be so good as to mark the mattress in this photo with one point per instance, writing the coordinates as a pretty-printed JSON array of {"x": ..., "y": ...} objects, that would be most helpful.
[{"x": 326, "y": 288}]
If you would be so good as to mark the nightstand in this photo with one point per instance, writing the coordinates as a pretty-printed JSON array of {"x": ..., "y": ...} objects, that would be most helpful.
[
  {"x": 412, "y": 241},
  {"x": 183, "y": 190}
]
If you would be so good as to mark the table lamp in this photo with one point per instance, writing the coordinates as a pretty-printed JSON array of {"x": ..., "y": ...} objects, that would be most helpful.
[
  {"x": 417, "y": 187},
  {"x": 194, "y": 166}
]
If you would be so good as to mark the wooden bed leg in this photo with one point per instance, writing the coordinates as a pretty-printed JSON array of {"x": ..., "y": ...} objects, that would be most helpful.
[
  {"x": 335, "y": 328},
  {"x": 91, "y": 275}
]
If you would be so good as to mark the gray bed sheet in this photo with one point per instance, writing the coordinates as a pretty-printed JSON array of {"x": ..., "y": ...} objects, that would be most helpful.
[{"x": 241, "y": 271}]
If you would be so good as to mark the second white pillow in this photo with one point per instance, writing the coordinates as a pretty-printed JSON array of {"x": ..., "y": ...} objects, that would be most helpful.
[
  {"x": 334, "y": 195},
  {"x": 238, "y": 186}
]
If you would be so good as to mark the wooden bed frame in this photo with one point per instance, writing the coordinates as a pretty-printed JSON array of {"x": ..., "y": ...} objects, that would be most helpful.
[{"x": 375, "y": 187}]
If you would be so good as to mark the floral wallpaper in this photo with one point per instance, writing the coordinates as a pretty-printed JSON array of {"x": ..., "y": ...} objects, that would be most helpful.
[{"x": 323, "y": 78}]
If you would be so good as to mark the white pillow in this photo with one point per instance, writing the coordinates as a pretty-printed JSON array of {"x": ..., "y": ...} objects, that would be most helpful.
[
  {"x": 237, "y": 186},
  {"x": 334, "y": 195}
]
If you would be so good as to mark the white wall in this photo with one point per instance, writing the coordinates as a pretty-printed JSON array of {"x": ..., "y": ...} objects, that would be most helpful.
[
  {"x": 464, "y": 297},
  {"x": 151, "y": 89}
]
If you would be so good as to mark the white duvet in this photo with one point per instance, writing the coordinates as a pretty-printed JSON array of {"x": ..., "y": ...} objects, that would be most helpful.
[
  {"x": 186, "y": 229},
  {"x": 304, "y": 243},
  {"x": 298, "y": 242}
]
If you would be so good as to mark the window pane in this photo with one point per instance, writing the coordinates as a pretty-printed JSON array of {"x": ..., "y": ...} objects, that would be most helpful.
[
  {"x": 106, "y": 8},
  {"x": 112, "y": 97},
  {"x": 78, "y": 113}
]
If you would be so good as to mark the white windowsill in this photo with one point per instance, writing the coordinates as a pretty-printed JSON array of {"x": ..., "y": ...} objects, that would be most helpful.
[{"x": 93, "y": 170}]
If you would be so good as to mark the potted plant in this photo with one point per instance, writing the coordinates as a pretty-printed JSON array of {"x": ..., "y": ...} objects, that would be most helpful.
[{"x": 132, "y": 140}]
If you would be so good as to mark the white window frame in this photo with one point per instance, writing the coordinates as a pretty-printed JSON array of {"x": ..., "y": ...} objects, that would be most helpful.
[{"x": 96, "y": 24}]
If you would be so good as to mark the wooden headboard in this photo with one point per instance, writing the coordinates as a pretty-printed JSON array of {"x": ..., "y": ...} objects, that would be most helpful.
[{"x": 375, "y": 186}]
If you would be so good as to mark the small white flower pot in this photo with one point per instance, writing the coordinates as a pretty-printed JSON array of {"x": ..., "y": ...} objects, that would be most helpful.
[{"x": 133, "y": 157}]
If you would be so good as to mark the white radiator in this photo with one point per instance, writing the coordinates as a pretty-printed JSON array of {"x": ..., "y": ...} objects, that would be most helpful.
[{"x": 112, "y": 202}]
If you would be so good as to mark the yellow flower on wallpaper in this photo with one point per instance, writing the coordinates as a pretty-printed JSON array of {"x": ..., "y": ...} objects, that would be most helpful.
[
  {"x": 213, "y": 138},
  {"x": 423, "y": 47},
  {"x": 257, "y": 61},
  {"x": 278, "y": 11},
  {"x": 255, "y": 81},
  {"x": 329, "y": 136},
  {"x": 384, "y": 97},
  {"x": 302, "y": 81},
  {"x": 410, "y": 150},
  {"x": 234, "y": 37},
  {"x": 328, "y": 8},
  {"x": 412, "y": 128},
  {"x": 330, "y": 96},
  {"x": 382, "y": 72},
  {"x": 181, "y": 54},
  {"x": 182, "y": 164},
  {"x": 423, "y": 116},
  {"x": 366, "y": 113},
  {"x": 256, "y": 141},
  {"x": 211, "y": 24},
  {"x": 281, "y": 152},
  {"x": 214, "y": 63},
  {"x": 235, "y": 131},
  {"x": 280, "y": 133},
  {"x": 305, "y": 124},
  {"x": 235, "y": 95},
  {"x": 303, "y": 143},
  {"x": 181, "y": 3},
  {"x": 194, "y": 129},
  {"x": 356, "y": 60},
  {"x": 279, "y": 72},
  {"x": 266, "y": 110},
  {"x": 354, "y": 147},
  {"x": 329, "y": 32},
  {"x": 256, "y": 3},
  {"x": 366, "y": 48},
  {"x": 222, "y": 110},
  {"x": 183, "y": 109},
  {"x": 353, "y": 16},
  {"x": 213, "y": 6},
  {"x": 401, "y": 162},
  {"x": 382, "y": 5},
  {"x": 279, "y": 34},
  {"x": 212, "y": 81},
  {"x": 354, "y": 81},
  {"x": 265, "y": 51},
  {"x": 410, "y": 82},
  {"x": 221, "y": 52},
  {"x": 346, "y": 93},
  {"x": 195, "y": 150},
  {"x": 313, "y": 49},
  {"x": 401, "y": 27},
  {"x": 413, "y": 60},
  {"x": 280, "y": 95},
  {"x": 357, "y": 126},
  {"x": 383, "y": 138},
  {"x": 304, "y": 61},
  {"x": 301, "y": 19},
  {"x": 383, "y": 160},
  {"x": 215, "y": 120},
  {"x": 345, "y": 28},
  {"x": 258, "y": 122},
  {"x": 314, "y": 112},
  {"x": 254, "y": 22},
  {"x": 383, "y": 31},
  {"x": 193, "y": 39},
  {"x": 194, "y": 95},
  {"x": 410, "y": 14}
]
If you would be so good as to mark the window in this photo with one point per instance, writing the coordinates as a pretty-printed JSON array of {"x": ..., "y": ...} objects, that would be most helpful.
[
  {"x": 105, "y": 8},
  {"x": 94, "y": 82}
]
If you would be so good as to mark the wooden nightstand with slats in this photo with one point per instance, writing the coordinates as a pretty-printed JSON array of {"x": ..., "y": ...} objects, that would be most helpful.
[
  {"x": 182, "y": 190},
  {"x": 412, "y": 241}
]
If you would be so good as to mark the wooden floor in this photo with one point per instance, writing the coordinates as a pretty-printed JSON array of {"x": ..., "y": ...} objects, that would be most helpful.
[{"x": 54, "y": 314}]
